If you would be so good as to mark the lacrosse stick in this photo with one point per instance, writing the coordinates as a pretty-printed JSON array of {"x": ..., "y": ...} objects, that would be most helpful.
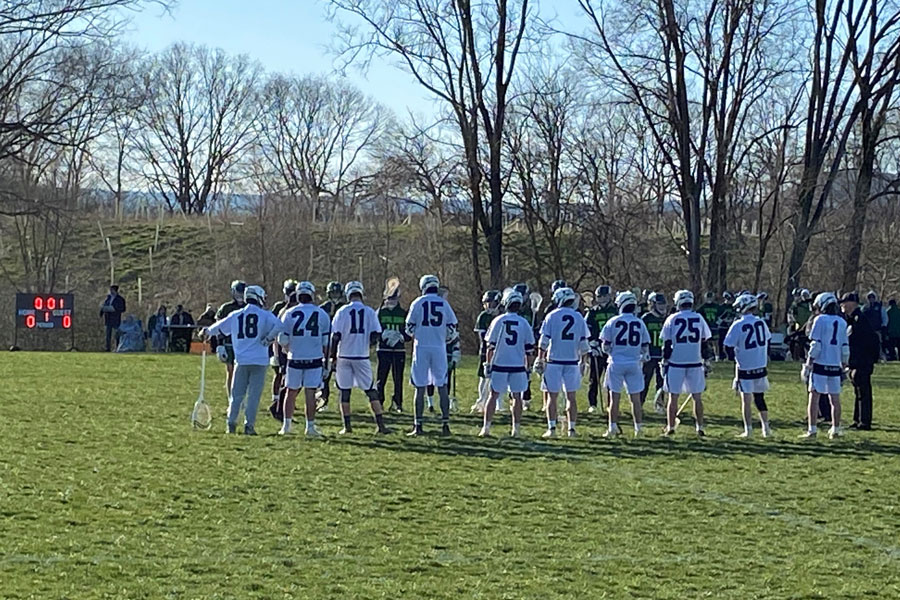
[
  {"x": 201, "y": 417},
  {"x": 536, "y": 300},
  {"x": 391, "y": 287},
  {"x": 681, "y": 408},
  {"x": 587, "y": 298}
]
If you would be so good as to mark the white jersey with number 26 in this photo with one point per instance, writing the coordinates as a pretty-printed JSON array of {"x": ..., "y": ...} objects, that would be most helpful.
[
  {"x": 688, "y": 332},
  {"x": 625, "y": 334}
]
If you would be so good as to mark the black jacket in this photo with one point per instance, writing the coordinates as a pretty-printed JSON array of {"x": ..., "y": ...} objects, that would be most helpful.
[{"x": 864, "y": 351}]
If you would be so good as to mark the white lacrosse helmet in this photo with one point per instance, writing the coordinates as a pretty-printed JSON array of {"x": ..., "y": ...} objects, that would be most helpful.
[
  {"x": 428, "y": 282},
  {"x": 745, "y": 302},
  {"x": 624, "y": 299},
  {"x": 237, "y": 289},
  {"x": 255, "y": 292},
  {"x": 354, "y": 287},
  {"x": 805, "y": 294},
  {"x": 306, "y": 288},
  {"x": 683, "y": 298},
  {"x": 824, "y": 300},
  {"x": 562, "y": 296},
  {"x": 511, "y": 296}
]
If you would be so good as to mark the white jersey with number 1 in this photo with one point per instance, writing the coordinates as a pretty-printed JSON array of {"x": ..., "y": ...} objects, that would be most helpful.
[{"x": 830, "y": 331}]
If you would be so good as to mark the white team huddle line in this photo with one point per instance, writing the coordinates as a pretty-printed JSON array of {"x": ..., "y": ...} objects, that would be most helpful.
[{"x": 306, "y": 333}]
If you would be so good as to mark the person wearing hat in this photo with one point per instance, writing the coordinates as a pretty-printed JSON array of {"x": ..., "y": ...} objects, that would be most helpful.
[
  {"x": 391, "y": 346},
  {"x": 864, "y": 353}
]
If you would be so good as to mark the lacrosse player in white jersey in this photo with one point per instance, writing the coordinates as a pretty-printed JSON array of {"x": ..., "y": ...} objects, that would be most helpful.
[
  {"x": 829, "y": 351},
  {"x": 252, "y": 329},
  {"x": 685, "y": 358},
  {"x": 563, "y": 351},
  {"x": 432, "y": 324},
  {"x": 354, "y": 330},
  {"x": 626, "y": 341},
  {"x": 304, "y": 335},
  {"x": 747, "y": 343},
  {"x": 510, "y": 343}
]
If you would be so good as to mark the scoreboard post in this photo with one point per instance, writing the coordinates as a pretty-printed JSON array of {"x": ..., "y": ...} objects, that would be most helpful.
[{"x": 45, "y": 312}]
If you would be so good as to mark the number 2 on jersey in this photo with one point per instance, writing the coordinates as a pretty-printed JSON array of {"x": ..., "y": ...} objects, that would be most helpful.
[{"x": 567, "y": 334}]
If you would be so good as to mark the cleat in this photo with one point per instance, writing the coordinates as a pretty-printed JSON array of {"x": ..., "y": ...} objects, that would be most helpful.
[
  {"x": 572, "y": 433},
  {"x": 550, "y": 433},
  {"x": 416, "y": 432},
  {"x": 835, "y": 432},
  {"x": 701, "y": 433},
  {"x": 382, "y": 431},
  {"x": 768, "y": 433},
  {"x": 612, "y": 432},
  {"x": 807, "y": 435},
  {"x": 345, "y": 431},
  {"x": 484, "y": 433},
  {"x": 667, "y": 432},
  {"x": 248, "y": 430},
  {"x": 431, "y": 409},
  {"x": 230, "y": 428},
  {"x": 638, "y": 433},
  {"x": 515, "y": 433},
  {"x": 592, "y": 410},
  {"x": 284, "y": 431},
  {"x": 312, "y": 432},
  {"x": 744, "y": 435},
  {"x": 445, "y": 430}
]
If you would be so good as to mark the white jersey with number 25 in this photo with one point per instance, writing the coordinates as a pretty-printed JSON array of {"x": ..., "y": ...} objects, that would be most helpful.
[{"x": 688, "y": 332}]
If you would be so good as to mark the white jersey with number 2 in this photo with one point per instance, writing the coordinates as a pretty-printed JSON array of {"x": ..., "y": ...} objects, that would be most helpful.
[{"x": 562, "y": 334}]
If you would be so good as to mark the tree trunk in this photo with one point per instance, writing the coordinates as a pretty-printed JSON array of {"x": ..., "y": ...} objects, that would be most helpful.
[{"x": 861, "y": 193}]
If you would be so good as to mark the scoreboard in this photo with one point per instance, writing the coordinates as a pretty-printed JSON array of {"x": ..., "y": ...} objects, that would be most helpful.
[{"x": 44, "y": 311}]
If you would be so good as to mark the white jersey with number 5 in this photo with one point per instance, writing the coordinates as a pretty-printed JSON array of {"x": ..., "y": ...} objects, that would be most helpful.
[
  {"x": 307, "y": 327},
  {"x": 626, "y": 334},
  {"x": 355, "y": 322},
  {"x": 749, "y": 336},
  {"x": 688, "y": 332},
  {"x": 431, "y": 321},
  {"x": 512, "y": 338},
  {"x": 248, "y": 327},
  {"x": 830, "y": 331},
  {"x": 563, "y": 333}
]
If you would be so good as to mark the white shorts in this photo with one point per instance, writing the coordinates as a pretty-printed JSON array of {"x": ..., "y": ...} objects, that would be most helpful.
[
  {"x": 429, "y": 367},
  {"x": 353, "y": 372},
  {"x": 825, "y": 384},
  {"x": 620, "y": 376},
  {"x": 502, "y": 381},
  {"x": 308, "y": 377},
  {"x": 559, "y": 378},
  {"x": 684, "y": 380},
  {"x": 751, "y": 386}
]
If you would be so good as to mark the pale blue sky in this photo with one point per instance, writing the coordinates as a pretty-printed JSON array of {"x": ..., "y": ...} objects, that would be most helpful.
[{"x": 284, "y": 35}]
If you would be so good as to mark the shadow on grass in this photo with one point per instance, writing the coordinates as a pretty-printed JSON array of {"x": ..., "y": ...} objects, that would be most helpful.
[{"x": 684, "y": 445}]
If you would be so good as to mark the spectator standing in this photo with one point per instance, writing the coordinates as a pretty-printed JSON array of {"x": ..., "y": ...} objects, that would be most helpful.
[
  {"x": 158, "y": 330},
  {"x": 181, "y": 327},
  {"x": 893, "y": 330},
  {"x": 864, "y": 353},
  {"x": 111, "y": 310},
  {"x": 876, "y": 314}
]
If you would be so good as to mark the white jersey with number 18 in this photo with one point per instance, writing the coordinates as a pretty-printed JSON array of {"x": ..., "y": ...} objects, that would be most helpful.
[{"x": 248, "y": 328}]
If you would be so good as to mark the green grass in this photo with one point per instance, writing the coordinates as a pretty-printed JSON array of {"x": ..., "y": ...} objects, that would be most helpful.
[{"x": 105, "y": 492}]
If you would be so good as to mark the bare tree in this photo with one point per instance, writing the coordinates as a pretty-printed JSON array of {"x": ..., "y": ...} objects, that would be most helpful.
[
  {"x": 196, "y": 123},
  {"x": 464, "y": 54},
  {"x": 314, "y": 136}
]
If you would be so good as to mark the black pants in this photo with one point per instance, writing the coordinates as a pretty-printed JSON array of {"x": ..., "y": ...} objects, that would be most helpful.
[
  {"x": 391, "y": 363},
  {"x": 110, "y": 333},
  {"x": 598, "y": 367},
  {"x": 862, "y": 388},
  {"x": 650, "y": 367},
  {"x": 894, "y": 346}
]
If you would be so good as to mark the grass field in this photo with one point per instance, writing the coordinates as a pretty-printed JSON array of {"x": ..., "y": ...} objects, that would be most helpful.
[{"x": 105, "y": 492}]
